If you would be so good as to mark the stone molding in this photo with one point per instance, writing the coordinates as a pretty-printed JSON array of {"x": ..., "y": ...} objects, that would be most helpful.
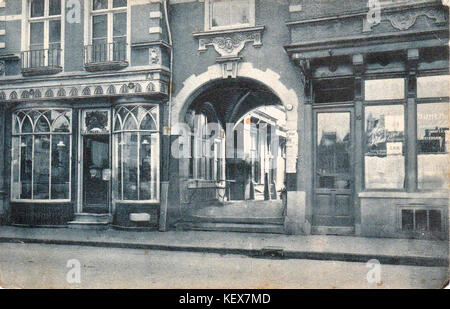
[{"x": 152, "y": 87}]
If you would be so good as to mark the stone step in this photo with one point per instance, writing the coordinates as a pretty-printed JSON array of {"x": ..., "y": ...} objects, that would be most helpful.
[
  {"x": 89, "y": 225},
  {"x": 232, "y": 227},
  {"x": 238, "y": 220},
  {"x": 92, "y": 218}
]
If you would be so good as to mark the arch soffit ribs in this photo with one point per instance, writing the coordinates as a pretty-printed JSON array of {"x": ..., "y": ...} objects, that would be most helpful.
[{"x": 269, "y": 78}]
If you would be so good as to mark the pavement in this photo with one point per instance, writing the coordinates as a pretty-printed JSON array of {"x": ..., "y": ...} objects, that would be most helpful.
[{"x": 414, "y": 252}]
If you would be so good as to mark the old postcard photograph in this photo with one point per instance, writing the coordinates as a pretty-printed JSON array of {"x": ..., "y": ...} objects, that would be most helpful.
[{"x": 224, "y": 144}]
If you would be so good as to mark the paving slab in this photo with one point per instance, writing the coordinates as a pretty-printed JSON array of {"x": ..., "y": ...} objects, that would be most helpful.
[{"x": 317, "y": 247}]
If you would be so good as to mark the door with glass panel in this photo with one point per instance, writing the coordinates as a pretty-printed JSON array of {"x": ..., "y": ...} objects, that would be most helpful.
[
  {"x": 95, "y": 161},
  {"x": 333, "y": 175}
]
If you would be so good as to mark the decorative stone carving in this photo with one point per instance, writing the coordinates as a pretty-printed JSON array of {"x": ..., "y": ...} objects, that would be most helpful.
[
  {"x": 154, "y": 56},
  {"x": 2, "y": 68},
  {"x": 406, "y": 19},
  {"x": 230, "y": 43},
  {"x": 49, "y": 93}
]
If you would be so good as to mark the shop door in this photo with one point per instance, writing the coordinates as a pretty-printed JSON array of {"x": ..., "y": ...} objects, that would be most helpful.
[
  {"x": 96, "y": 162},
  {"x": 333, "y": 181}
]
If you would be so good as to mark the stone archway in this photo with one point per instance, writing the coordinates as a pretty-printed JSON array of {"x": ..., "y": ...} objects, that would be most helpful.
[{"x": 195, "y": 85}]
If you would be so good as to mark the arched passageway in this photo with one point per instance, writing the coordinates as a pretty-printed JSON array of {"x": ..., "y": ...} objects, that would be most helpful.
[{"x": 237, "y": 161}]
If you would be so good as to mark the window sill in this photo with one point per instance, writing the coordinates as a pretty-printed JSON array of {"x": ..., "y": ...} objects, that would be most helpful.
[
  {"x": 41, "y": 71},
  {"x": 404, "y": 195},
  {"x": 227, "y": 31},
  {"x": 148, "y": 202},
  {"x": 105, "y": 66},
  {"x": 41, "y": 201}
]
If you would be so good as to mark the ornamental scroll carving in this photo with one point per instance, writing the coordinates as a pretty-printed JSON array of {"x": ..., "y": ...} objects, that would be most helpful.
[
  {"x": 229, "y": 44},
  {"x": 405, "y": 20}
]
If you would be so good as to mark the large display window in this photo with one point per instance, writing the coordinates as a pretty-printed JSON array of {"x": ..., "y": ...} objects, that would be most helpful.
[
  {"x": 41, "y": 154},
  {"x": 136, "y": 143}
]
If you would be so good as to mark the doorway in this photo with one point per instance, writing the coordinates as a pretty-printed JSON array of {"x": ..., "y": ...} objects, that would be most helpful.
[
  {"x": 95, "y": 162},
  {"x": 333, "y": 177}
]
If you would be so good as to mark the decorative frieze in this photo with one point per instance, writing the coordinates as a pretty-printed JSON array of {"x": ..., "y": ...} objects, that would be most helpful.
[
  {"x": 404, "y": 20},
  {"x": 153, "y": 87}
]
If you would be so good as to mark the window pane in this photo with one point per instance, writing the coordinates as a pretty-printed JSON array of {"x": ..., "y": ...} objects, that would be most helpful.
[
  {"x": 120, "y": 24},
  {"x": 26, "y": 159},
  {"x": 384, "y": 89},
  {"x": 384, "y": 158},
  {"x": 61, "y": 124},
  {"x": 37, "y": 35},
  {"x": 407, "y": 220},
  {"x": 148, "y": 166},
  {"x": 119, "y": 3},
  {"x": 100, "y": 4},
  {"x": 240, "y": 12},
  {"x": 55, "y": 31},
  {"x": 60, "y": 166},
  {"x": 99, "y": 25},
  {"x": 148, "y": 123},
  {"x": 41, "y": 172},
  {"x": 118, "y": 147},
  {"x": 220, "y": 10},
  {"x": 433, "y": 86},
  {"x": 433, "y": 139},
  {"x": 55, "y": 7},
  {"x": 15, "y": 166},
  {"x": 130, "y": 174},
  {"x": 435, "y": 220},
  {"x": 37, "y": 8},
  {"x": 333, "y": 150}
]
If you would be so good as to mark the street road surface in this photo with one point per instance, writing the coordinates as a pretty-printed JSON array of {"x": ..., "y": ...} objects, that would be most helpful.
[{"x": 45, "y": 266}]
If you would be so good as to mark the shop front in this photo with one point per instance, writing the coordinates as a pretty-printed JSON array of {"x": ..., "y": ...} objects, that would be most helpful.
[{"x": 74, "y": 164}]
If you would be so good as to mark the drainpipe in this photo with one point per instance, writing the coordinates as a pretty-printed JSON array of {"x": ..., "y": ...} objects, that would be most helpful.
[{"x": 165, "y": 183}]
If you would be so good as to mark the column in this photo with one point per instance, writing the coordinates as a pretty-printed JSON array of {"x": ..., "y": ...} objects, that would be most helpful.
[
  {"x": 411, "y": 121},
  {"x": 358, "y": 68}
]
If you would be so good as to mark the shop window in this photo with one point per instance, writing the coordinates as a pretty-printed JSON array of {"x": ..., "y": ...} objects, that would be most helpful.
[
  {"x": 41, "y": 152},
  {"x": 384, "y": 89},
  {"x": 137, "y": 151},
  {"x": 384, "y": 147},
  {"x": 223, "y": 14},
  {"x": 433, "y": 138},
  {"x": 421, "y": 220}
]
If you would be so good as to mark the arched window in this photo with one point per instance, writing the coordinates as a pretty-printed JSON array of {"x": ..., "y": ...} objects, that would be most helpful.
[
  {"x": 136, "y": 144},
  {"x": 41, "y": 154}
]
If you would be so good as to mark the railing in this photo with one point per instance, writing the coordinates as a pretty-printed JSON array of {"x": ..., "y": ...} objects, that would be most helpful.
[
  {"x": 105, "y": 52},
  {"x": 41, "y": 58}
]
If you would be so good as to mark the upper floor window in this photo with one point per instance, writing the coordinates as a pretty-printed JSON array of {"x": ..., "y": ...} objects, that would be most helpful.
[
  {"x": 108, "y": 31},
  {"x": 223, "y": 14},
  {"x": 44, "y": 34}
]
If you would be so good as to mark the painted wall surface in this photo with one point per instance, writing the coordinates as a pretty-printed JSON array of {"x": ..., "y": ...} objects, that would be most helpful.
[
  {"x": 141, "y": 32},
  {"x": 188, "y": 18},
  {"x": 380, "y": 217}
]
